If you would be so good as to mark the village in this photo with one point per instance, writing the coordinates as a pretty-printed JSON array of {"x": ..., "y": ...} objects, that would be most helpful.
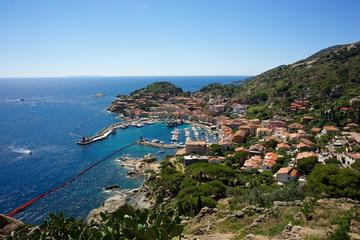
[{"x": 281, "y": 145}]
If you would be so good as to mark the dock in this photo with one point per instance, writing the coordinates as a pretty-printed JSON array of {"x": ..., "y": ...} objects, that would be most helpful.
[
  {"x": 103, "y": 134},
  {"x": 160, "y": 145}
]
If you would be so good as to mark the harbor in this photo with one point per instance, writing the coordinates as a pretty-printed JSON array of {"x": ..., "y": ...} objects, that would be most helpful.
[{"x": 103, "y": 134}]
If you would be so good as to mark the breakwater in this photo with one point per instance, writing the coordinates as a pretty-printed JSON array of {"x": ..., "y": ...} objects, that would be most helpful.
[{"x": 160, "y": 145}]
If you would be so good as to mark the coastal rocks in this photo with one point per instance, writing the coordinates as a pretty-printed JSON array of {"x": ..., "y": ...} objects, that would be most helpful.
[
  {"x": 137, "y": 198},
  {"x": 8, "y": 225},
  {"x": 110, "y": 206},
  {"x": 138, "y": 166}
]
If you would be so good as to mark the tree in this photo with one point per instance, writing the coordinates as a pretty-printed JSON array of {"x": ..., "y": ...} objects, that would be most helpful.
[
  {"x": 204, "y": 172},
  {"x": 331, "y": 181},
  {"x": 306, "y": 165},
  {"x": 356, "y": 165},
  {"x": 216, "y": 150}
]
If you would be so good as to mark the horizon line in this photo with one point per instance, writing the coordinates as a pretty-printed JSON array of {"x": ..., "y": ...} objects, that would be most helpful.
[{"x": 107, "y": 76}]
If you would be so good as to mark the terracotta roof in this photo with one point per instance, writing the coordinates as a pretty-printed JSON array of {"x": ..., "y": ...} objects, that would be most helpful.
[
  {"x": 315, "y": 130},
  {"x": 241, "y": 149},
  {"x": 354, "y": 155},
  {"x": 302, "y": 145},
  {"x": 296, "y": 126},
  {"x": 305, "y": 155},
  {"x": 271, "y": 156},
  {"x": 294, "y": 173},
  {"x": 283, "y": 145},
  {"x": 283, "y": 170},
  {"x": 331, "y": 128}
]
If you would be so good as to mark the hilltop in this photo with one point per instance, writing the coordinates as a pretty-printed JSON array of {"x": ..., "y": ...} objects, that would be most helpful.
[{"x": 158, "y": 88}]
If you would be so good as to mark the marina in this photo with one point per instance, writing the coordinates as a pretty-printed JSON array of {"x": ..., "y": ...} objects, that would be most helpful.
[
  {"x": 195, "y": 131},
  {"x": 103, "y": 134}
]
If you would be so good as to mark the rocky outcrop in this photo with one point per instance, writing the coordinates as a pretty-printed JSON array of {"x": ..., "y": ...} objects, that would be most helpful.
[
  {"x": 8, "y": 225},
  {"x": 110, "y": 206},
  {"x": 299, "y": 233},
  {"x": 137, "y": 198}
]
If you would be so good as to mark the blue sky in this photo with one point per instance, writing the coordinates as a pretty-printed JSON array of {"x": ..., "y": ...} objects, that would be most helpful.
[{"x": 182, "y": 37}]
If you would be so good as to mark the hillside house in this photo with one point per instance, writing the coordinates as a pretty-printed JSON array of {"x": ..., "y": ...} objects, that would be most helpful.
[{"x": 286, "y": 174}]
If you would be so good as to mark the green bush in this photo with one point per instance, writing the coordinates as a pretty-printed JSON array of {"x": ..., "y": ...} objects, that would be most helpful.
[
  {"x": 203, "y": 172},
  {"x": 331, "y": 181},
  {"x": 133, "y": 224},
  {"x": 190, "y": 196},
  {"x": 306, "y": 165}
]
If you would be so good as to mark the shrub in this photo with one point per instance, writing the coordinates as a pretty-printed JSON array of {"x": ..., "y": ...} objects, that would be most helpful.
[
  {"x": 306, "y": 165},
  {"x": 203, "y": 172},
  {"x": 331, "y": 181},
  {"x": 133, "y": 224}
]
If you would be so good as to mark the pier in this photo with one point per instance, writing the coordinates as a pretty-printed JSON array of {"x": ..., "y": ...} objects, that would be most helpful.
[
  {"x": 160, "y": 145},
  {"x": 102, "y": 134}
]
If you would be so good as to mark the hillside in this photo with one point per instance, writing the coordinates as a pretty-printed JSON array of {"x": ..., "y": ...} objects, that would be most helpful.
[
  {"x": 325, "y": 81},
  {"x": 328, "y": 78},
  {"x": 158, "y": 88}
]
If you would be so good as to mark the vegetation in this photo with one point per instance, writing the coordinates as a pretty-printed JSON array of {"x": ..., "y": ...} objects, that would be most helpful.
[
  {"x": 343, "y": 223},
  {"x": 133, "y": 224},
  {"x": 306, "y": 165},
  {"x": 158, "y": 88},
  {"x": 331, "y": 181},
  {"x": 328, "y": 80}
]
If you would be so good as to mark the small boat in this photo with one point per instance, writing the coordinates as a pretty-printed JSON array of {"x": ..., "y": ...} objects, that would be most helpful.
[
  {"x": 113, "y": 131},
  {"x": 22, "y": 100}
]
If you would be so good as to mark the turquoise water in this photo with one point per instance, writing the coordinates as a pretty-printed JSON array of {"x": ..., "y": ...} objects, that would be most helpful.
[{"x": 54, "y": 114}]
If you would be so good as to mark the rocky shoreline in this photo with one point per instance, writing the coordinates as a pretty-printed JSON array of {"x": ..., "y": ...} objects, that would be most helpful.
[{"x": 138, "y": 198}]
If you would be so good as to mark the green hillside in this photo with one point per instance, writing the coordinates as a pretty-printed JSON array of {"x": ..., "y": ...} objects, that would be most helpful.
[
  {"x": 158, "y": 88},
  {"x": 325, "y": 81}
]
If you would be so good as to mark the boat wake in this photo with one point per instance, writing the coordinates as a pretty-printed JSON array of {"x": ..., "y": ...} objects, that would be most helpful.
[{"x": 21, "y": 150}]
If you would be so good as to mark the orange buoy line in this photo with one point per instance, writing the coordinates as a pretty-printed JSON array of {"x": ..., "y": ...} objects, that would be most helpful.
[{"x": 37, "y": 198}]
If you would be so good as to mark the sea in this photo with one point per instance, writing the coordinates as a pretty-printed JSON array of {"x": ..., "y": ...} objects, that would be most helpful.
[{"x": 40, "y": 121}]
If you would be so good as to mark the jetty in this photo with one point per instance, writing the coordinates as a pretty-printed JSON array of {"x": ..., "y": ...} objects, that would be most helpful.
[
  {"x": 160, "y": 145},
  {"x": 103, "y": 133}
]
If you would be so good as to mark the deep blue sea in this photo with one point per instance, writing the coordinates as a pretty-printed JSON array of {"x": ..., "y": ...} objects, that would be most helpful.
[{"x": 54, "y": 113}]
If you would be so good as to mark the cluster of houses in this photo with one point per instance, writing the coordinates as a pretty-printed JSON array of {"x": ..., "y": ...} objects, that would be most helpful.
[
  {"x": 269, "y": 138},
  {"x": 273, "y": 138},
  {"x": 193, "y": 108}
]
